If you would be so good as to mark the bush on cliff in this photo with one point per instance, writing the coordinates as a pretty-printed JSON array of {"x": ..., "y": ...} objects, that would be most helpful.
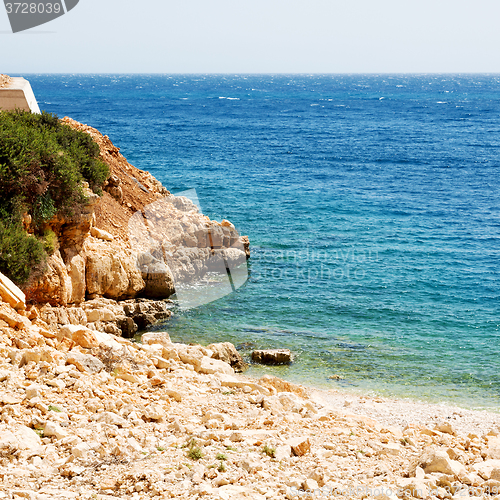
[
  {"x": 42, "y": 165},
  {"x": 21, "y": 255}
]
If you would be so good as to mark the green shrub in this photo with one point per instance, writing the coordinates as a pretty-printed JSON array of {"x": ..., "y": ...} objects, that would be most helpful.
[
  {"x": 269, "y": 451},
  {"x": 43, "y": 162},
  {"x": 21, "y": 255},
  {"x": 49, "y": 241},
  {"x": 42, "y": 165}
]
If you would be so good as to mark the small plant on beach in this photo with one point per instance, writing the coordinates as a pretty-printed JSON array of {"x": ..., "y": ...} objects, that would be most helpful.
[
  {"x": 194, "y": 451},
  {"x": 231, "y": 448},
  {"x": 269, "y": 451},
  {"x": 54, "y": 408},
  {"x": 160, "y": 448},
  {"x": 221, "y": 456},
  {"x": 222, "y": 467}
]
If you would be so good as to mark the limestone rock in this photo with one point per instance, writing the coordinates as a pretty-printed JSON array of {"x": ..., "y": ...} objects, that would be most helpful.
[
  {"x": 225, "y": 351},
  {"x": 210, "y": 366},
  {"x": 102, "y": 314},
  {"x": 299, "y": 445},
  {"x": 282, "y": 452},
  {"x": 84, "y": 362},
  {"x": 235, "y": 492},
  {"x": 11, "y": 293},
  {"x": 111, "y": 270},
  {"x": 101, "y": 234},
  {"x": 162, "y": 338},
  {"x": 154, "y": 412},
  {"x": 158, "y": 279},
  {"x": 493, "y": 450},
  {"x": 19, "y": 440},
  {"x": 75, "y": 265},
  {"x": 486, "y": 468},
  {"x": 111, "y": 418},
  {"x": 12, "y": 318},
  {"x": 445, "y": 427},
  {"x": 272, "y": 356},
  {"x": 437, "y": 460},
  {"x": 79, "y": 334},
  {"x": 55, "y": 286},
  {"x": 227, "y": 380},
  {"x": 33, "y": 391},
  {"x": 53, "y": 429}
]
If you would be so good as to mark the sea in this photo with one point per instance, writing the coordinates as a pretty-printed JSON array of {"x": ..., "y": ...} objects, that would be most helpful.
[{"x": 372, "y": 204}]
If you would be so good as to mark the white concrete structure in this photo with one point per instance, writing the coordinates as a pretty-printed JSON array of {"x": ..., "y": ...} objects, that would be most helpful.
[{"x": 18, "y": 95}]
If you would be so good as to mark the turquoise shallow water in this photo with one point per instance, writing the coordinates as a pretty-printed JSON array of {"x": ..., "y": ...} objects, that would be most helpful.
[{"x": 371, "y": 202}]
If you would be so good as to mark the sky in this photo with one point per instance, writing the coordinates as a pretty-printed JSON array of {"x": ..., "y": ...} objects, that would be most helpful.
[{"x": 260, "y": 36}]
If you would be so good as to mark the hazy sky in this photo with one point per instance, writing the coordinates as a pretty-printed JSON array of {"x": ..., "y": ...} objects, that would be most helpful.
[{"x": 260, "y": 36}]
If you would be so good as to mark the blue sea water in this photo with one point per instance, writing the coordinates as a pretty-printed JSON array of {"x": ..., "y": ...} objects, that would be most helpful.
[{"x": 372, "y": 206}]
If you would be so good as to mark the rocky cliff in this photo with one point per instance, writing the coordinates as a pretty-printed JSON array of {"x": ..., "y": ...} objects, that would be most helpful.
[{"x": 136, "y": 240}]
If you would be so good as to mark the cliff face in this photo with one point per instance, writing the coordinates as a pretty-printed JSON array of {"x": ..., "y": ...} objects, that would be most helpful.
[{"x": 136, "y": 239}]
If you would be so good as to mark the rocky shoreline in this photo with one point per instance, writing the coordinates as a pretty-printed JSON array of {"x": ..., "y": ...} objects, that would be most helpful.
[{"x": 86, "y": 414}]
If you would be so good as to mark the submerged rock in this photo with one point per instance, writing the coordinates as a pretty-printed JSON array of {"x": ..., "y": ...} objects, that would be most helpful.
[{"x": 272, "y": 356}]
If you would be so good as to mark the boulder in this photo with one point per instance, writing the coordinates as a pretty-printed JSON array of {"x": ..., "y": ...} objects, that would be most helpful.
[
  {"x": 210, "y": 366},
  {"x": 111, "y": 270},
  {"x": 227, "y": 380},
  {"x": 437, "y": 460},
  {"x": 272, "y": 356},
  {"x": 111, "y": 418},
  {"x": 102, "y": 314},
  {"x": 54, "y": 286},
  {"x": 79, "y": 334},
  {"x": 53, "y": 429},
  {"x": 158, "y": 279},
  {"x": 127, "y": 326},
  {"x": 445, "y": 427},
  {"x": 11, "y": 293},
  {"x": 486, "y": 468},
  {"x": 225, "y": 351},
  {"x": 19, "y": 440},
  {"x": 282, "y": 452},
  {"x": 12, "y": 318},
  {"x": 493, "y": 450}
]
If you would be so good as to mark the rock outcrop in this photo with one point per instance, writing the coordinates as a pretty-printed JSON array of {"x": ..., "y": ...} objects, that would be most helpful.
[{"x": 135, "y": 240}]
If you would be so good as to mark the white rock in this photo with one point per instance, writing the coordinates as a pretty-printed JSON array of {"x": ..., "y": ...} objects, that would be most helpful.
[
  {"x": 485, "y": 469},
  {"x": 210, "y": 366},
  {"x": 33, "y": 391},
  {"x": 111, "y": 418},
  {"x": 162, "y": 338},
  {"x": 81, "y": 451},
  {"x": 282, "y": 452},
  {"x": 52, "y": 429},
  {"x": 101, "y": 234},
  {"x": 437, "y": 460},
  {"x": 445, "y": 427},
  {"x": 154, "y": 412}
]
